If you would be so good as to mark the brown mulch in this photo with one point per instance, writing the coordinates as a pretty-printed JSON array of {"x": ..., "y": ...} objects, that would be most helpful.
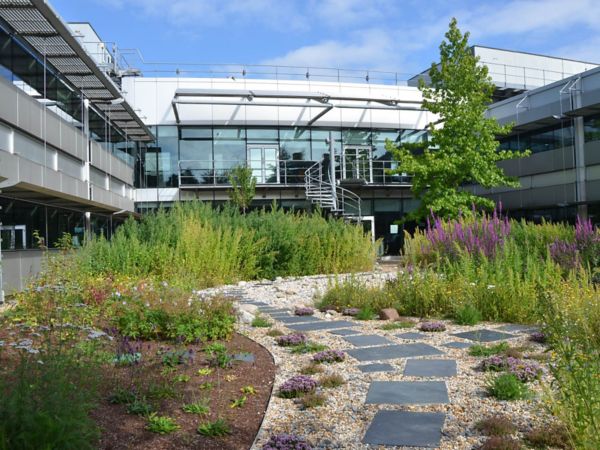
[{"x": 125, "y": 431}]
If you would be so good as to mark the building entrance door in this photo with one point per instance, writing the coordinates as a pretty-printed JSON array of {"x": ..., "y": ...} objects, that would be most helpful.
[
  {"x": 357, "y": 163},
  {"x": 263, "y": 160}
]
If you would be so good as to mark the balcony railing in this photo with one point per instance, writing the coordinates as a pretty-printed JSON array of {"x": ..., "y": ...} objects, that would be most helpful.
[{"x": 209, "y": 173}]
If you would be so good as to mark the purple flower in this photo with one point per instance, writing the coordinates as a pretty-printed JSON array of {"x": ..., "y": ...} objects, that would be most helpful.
[
  {"x": 350, "y": 311},
  {"x": 329, "y": 356},
  {"x": 432, "y": 327},
  {"x": 539, "y": 337},
  {"x": 296, "y": 386},
  {"x": 304, "y": 311},
  {"x": 522, "y": 369},
  {"x": 291, "y": 340},
  {"x": 286, "y": 442}
]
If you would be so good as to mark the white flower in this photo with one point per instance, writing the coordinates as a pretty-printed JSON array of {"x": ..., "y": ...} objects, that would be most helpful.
[
  {"x": 124, "y": 302},
  {"x": 491, "y": 286}
]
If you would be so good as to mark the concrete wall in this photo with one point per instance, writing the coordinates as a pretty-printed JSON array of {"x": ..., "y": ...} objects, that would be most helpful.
[{"x": 18, "y": 267}]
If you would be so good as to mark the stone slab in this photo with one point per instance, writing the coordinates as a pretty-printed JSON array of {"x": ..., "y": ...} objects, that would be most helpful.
[
  {"x": 322, "y": 325},
  {"x": 393, "y": 352},
  {"x": 367, "y": 340},
  {"x": 298, "y": 319},
  {"x": 458, "y": 345},
  {"x": 516, "y": 328},
  {"x": 430, "y": 368},
  {"x": 484, "y": 335},
  {"x": 376, "y": 367},
  {"x": 407, "y": 393},
  {"x": 411, "y": 335},
  {"x": 405, "y": 429},
  {"x": 344, "y": 332},
  {"x": 244, "y": 357}
]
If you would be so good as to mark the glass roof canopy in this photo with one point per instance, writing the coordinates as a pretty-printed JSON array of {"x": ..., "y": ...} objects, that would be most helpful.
[{"x": 35, "y": 22}]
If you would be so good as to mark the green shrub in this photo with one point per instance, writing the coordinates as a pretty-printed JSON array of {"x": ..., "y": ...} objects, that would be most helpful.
[
  {"x": 467, "y": 315},
  {"x": 140, "y": 407},
  {"x": 218, "y": 428},
  {"x": 161, "y": 424},
  {"x": 396, "y": 325},
  {"x": 199, "y": 408},
  {"x": 501, "y": 443},
  {"x": 307, "y": 347},
  {"x": 260, "y": 321},
  {"x": 496, "y": 426},
  {"x": 331, "y": 381},
  {"x": 507, "y": 387},
  {"x": 313, "y": 400},
  {"x": 218, "y": 356},
  {"x": 488, "y": 350},
  {"x": 553, "y": 436}
]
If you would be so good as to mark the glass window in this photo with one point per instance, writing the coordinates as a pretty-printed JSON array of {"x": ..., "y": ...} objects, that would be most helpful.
[
  {"x": 320, "y": 147},
  {"x": 196, "y": 133},
  {"x": 592, "y": 128},
  {"x": 195, "y": 150},
  {"x": 229, "y": 133},
  {"x": 294, "y": 144},
  {"x": 356, "y": 137},
  {"x": 262, "y": 134},
  {"x": 413, "y": 136},
  {"x": 168, "y": 155}
]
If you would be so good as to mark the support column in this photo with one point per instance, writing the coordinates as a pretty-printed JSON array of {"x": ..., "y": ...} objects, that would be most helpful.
[
  {"x": 332, "y": 168},
  {"x": 579, "y": 148}
]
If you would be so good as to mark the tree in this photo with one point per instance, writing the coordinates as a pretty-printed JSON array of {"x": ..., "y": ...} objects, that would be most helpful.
[
  {"x": 243, "y": 187},
  {"x": 462, "y": 149}
]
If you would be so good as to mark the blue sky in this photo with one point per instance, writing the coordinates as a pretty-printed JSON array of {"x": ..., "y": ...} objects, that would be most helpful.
[{"x": 395, "y": 35}]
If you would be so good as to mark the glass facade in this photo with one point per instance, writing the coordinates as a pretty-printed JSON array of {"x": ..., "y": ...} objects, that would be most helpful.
[
  {"x": 206, "y": 155},
  {"x": 552, "y": 138}
]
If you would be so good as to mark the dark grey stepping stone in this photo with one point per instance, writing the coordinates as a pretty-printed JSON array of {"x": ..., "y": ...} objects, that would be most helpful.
[
  {"x": 251, "y": 302},
  {"x": 516, "y": 328},
  {"x": 376, "y": 367},
  {"x": 368, "y": 340},
  {"x": 407, "y": 392},
  {"x": 273, "y": 309},
  {"x": 278, "y": 314},
  {"x": 298, "y": 319},
  {"x": 393, "y": 352},
  {"x": 321, "y": 325},
  {"x": 344, "y": 332},
  {"x": 244, "y": 357},
  {"x": 411, "y": 335},
  {"x": 484, "y": 335},
  {"x": 405, "y": 429},
  {"x": 430, "y": 368},
  {"x": 458, "y": 345}
]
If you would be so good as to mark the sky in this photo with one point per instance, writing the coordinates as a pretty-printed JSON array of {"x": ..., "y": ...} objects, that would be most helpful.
[{"x": 392, "y": 35}]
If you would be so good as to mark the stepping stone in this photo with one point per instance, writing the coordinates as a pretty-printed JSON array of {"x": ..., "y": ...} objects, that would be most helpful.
[
  {"x": 407, "y": 392},
  {"x": 244, "y": 357},
  {"x": 376, "y": 367},
  {"x": 368, "y": 340},
  {"x": 344, "y": 332},
  {"x": 322, "y": 325},
  {"x": 458, "y": 345},
  {"x": 411, "y": 335},
  {"x": 516, "y": 328},
  {"x": 405, "y": 429},
  {"x": 393, "y": 352},
  {"x": 430, "y": 368},
  {"x": 484, "y": 335},
  {"x": 298, "y": 319}
]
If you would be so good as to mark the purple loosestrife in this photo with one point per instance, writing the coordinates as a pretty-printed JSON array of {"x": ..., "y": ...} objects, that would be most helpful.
[
  {"x": 565, "y": 254},
  {"x": 297, "y": 386},
  {"x": 329, "y": 356},
  {"x": 286, "y": 442},
  {"x": 291, "y": 340}
]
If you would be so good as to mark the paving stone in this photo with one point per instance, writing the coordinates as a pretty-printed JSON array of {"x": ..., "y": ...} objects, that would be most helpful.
[
  {"x": 484, "y": 335},
  {"x": 376, "y": 367},
  {"x": 407, "y": 392},
  {"x": 430, "y": 368},
  {"x": 322, "y": 325},
  {"x": 393, "y": 352},
  {"x": 516, "y": 328},
  {"x": 368, "y": 340},
  {"x": 298, "y": 319},
  {"x": 458, "y": 345},
  {"x": 344, "y": 332},
  {"x": 405, "y": 429},
  {"x": 273, "y": 310},
  {"x": 244, "y": 357},
  {"x": 411, "y": 335}
]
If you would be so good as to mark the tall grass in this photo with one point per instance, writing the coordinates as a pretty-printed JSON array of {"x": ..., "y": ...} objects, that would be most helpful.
[{"x": 197, "y": 246}]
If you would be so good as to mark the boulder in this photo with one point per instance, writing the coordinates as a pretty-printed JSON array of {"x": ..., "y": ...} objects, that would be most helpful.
[{"x": 389, "y": 314}]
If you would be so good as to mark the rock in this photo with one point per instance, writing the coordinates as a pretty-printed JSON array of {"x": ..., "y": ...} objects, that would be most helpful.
[
  {"x": 331, "y": 311},
  {"x": 245, "y": 317},
  {"x": 248, "y": 307},
  {"x": 389, "y": 314}
]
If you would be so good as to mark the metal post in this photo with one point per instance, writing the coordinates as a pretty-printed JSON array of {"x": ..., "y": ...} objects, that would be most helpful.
[
  {"x": 1, "y": 266},
  {"x": 579, "y": 149},
  {"x": 332, "y": 168}
]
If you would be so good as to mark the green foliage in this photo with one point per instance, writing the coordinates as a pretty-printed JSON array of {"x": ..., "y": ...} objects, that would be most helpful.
[
  {"x": 331, "y": 381},
  {"x": 122, "y": 396},
  {"x": 200, "y": 408},
  {"x": 464, "y": 150},
  {"x": 554, "y": 436},
  {"x": 161, "y": 424},
  {"x": 496, "y": 426},
  {"x": 162, "y": 390},
  {"x": 196, "y": 246},
  {"x": 391, "y": 326},
  {"x": 218, "y": 428},
  {"x": 488, "y": 350},
  {"x": 140, "y": 407},
  {"x": 46, "y": 399},
  {"x": 308, "y": 347},
  {"x": 313, "y": 400},
  {"x": 366, "y": 313},
  {"x": 243, "y": 187},
  {"x": 218, "y": 356},
  {"x": 238, "y": 402},
  {"x": 275, "y": 333},
  {"x": 206, "y": 386},
  {"x": 261, "y": 321},
  {"x": 182, "y": 378},
  {"x": 467, "y": 315},
  {"x": 249, "y": 390},
  {"x": 507, "y": 387},
  {"x": 312, "y": 369}
]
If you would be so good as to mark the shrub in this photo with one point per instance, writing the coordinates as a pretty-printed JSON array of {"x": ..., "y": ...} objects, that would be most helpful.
[
  {"x": 366, "y": 313},
  {"x": 313, "y": 400},
  {"x": 496, "y": 426},
  {"x": 260, "y": 321},
  {"x": 238, "y": 402},
  {"x": 350, "y": 311},
  {"x": 312, "y": 369},
  {"x": 507, "y": 387},
  {"x": 140, "y": 407},
  {"x": 290, "y": 340},
  {"x": 199, "y": 408},
  {"x": 539, "y": 337},
  {"x": 286, "y": 442},
  {"x": 329, "y": 356},
  {"x": 173, "y": 358},
  {"x": 218, "y": 428},
  {"x": 297, "y": 386},
  {"x": 432, "y": 327},
  {"x": 161, "y": 424},
  {"x": 331, "y": 381},
  {"x": 396, "y": 325},
  {"x": 309, "y": 347},
  {"x": 275, "y": 333},
  {"x": 217, "y": 356},
  {"x": 304, "y": 311},
  {"x": 488, "y": 350},
  {"x": 553, "y": 436},
  {"x": 467, "y": 315},
  {"x": 501, "y": 443}
]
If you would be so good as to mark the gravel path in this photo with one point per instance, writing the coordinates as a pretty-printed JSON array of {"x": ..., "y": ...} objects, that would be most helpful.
[{"x": 344, "y": 421}]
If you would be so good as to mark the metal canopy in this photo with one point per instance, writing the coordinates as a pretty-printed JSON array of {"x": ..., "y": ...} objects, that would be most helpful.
[
  {"x": 246, "y": 97},
  {"x": 37, "y": 23}
]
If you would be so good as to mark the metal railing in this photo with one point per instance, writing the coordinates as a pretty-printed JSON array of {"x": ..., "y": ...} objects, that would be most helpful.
[{"x": 207, "y": 173}]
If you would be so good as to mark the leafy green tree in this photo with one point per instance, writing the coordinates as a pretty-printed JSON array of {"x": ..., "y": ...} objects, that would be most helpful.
[
  {"x": 243, "y": 187},
  {"x": 462, "y": 149}
]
